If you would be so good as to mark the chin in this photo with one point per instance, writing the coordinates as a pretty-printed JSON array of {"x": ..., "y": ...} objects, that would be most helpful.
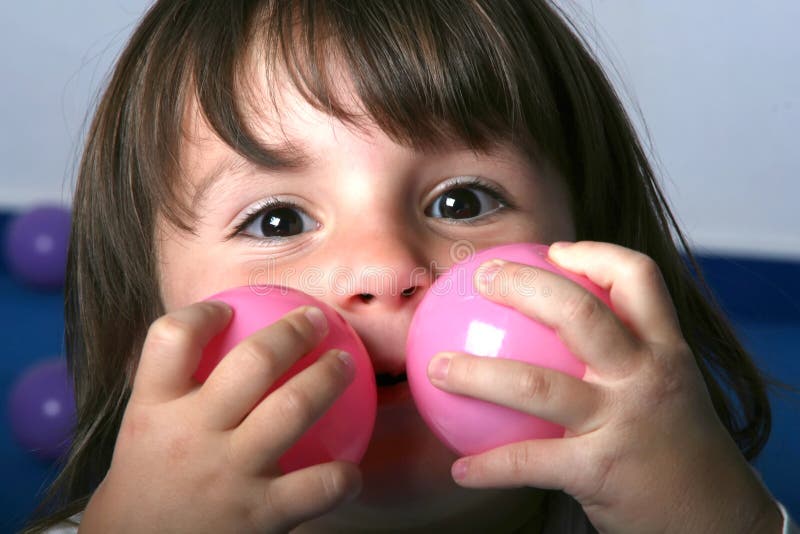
[
  {"x": 404, "y": 462},
  {"x": 406, "y": 472},
  {"x": 407, "y": 484}
]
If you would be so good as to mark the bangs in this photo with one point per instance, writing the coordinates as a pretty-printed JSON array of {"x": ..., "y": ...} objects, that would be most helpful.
[{"x": 426, "y": 73}]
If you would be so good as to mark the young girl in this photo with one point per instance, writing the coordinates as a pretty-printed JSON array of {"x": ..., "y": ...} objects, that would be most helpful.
[{"x": 324, "y": 136}]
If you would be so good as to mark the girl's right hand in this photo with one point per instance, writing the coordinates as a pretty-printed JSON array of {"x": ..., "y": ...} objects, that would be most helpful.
[{"x": 203, "y": 458}]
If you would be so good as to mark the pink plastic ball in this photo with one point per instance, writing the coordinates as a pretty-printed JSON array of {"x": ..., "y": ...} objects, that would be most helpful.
[
  {"x": 452, "y": 316},
  {"x": 344, "y": 431}
]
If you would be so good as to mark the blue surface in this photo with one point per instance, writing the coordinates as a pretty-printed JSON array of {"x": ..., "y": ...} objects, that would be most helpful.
[
  {"x": 762, "y": 298},
  {"x": 755, "y": 290},
  {"x": 775, "y": 348},
  {"x": 31, "y": 329}
]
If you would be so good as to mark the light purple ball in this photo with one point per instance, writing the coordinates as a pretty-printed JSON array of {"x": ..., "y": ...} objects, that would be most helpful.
[
  {"x": 36, "y": 246},
  {"x": 42, "y": 409}
]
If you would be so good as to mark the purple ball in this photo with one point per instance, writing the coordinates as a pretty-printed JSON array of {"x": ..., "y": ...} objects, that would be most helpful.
[
  {"x": 42, "y": 409},
  {"x": 36, "y": 246}
]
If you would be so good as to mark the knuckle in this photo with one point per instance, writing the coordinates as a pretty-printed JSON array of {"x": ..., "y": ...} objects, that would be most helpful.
[
  {"x": 582, "y": 308},
  {"x": 261, "y": 356},
  {"x": 273, "y": 506},
  {"x": 525, "y": 280},
  {"x": 136, "y": 426},
  {"x": 295, "y": 404},
  {"x": 667, "y": 380},
  {"x": 534, "y": 386},
  {"x": 297, "y": 330},
  {"x": 231, "y": 450},
  {"x": 333, "y": 368},
  {"x": 170, "y": 330},
  {"x": 645, "y": 267},
  {"x": 333, "y": 484},
  {"x": 600, "y": 469},
  {"x": 517, "y": 460},
  {"x": 461, "y": 370}
]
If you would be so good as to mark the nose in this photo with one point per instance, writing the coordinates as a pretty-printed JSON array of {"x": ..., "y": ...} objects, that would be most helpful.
[
  {"x": 390, "y": 277},
  {"x": 380, "y": 269},
  {"x": 377, "y": 289}
]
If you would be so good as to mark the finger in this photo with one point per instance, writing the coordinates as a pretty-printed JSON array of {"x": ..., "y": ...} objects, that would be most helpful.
[
  {"x": 587, "y": 327},
  {"x": 172, "y": 350},
  {"x": 638, "y": 291},
  {"x": 308, "y": 493},
  {"x": 284, "y": 416},
  {"x": 247, "y": 372},
  {"x": 545, "y": 463},
  {"x": 546, "y": 393}
]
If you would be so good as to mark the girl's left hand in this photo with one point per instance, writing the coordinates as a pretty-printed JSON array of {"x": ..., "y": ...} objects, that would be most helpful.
[{"x": 644, "y": 450}]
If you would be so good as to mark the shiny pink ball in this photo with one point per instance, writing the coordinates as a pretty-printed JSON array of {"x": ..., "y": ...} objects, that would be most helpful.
[
  {"x": 452, "y": 316},
  {"x": 344, "y": 431}
]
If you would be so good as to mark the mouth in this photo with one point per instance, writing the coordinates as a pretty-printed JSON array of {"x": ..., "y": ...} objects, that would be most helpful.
[
  {"x": 392, "y": 389},
  {"x": 387, "y": 379}
]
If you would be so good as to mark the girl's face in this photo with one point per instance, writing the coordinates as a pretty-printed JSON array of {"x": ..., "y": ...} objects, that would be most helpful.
[{"x": 363, "y": 223}]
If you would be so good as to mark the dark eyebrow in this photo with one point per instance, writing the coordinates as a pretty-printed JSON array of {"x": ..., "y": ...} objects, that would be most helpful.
[
  {"x": 290, "y": 158},
  {"x": 278, "y": 159}
]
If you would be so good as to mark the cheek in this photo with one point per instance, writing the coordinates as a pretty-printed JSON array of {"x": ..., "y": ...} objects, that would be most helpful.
[
  {"x": 197, "y": 280},
  {"x": 198, "y": 273},
  {"x": 553, "y": 223},
  {"x": 558, "y": 207},
  {"x": 188, "y": 272},
  {"x": 561, "y": 220},
  {"x": 179, "y": 283},
  {"x": 548, "y": 219},
  {"x": 168, "y": 268}
]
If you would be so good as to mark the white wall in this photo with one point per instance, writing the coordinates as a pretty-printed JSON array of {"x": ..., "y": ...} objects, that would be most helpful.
[
  {"x": 54, "y": 56},
  {"x": 717, "y": 82}
]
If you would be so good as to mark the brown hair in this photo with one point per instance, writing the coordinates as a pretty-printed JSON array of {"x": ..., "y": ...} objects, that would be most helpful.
[{"x": 425, "y": 72}]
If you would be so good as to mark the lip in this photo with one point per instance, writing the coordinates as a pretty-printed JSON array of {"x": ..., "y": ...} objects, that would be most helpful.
[
  {"x": 384, "y": 336},
  {"x": 396, "y": 394}
]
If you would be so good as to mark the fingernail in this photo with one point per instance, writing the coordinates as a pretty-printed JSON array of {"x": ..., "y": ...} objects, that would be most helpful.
[
  {"x": 460, "y": 469},
  {"x": 353, "y": 491},
  {"x": 222, "y": 306},
  {"x": 488, "y": 272},
  {"x": 347, "y": 363},
  {"x": 560, "y": 244},
  {"x": 317, "y": 319},
  {"x": 439, "y": 368}
]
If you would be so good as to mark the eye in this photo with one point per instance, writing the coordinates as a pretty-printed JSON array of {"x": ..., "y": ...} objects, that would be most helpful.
[
  {"x": 275, "y": 221},
  {"x": 466, "y": 201}
]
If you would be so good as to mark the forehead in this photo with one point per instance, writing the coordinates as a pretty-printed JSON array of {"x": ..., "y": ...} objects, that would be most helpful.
[
  {"x": 293, "y": 135},
  {"x": 213, "y": 165},
  {"x": 270, "y": 110}
]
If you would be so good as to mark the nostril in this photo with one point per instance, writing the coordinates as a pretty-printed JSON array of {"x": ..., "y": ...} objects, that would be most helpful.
[{"x": 368, "y": 297}]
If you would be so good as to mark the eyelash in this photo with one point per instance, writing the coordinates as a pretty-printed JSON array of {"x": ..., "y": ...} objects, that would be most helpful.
[
  {"x": 459, "y": 182},
  {"x": 489, "y": 188},
  {"x": 256, "y": 211}
]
